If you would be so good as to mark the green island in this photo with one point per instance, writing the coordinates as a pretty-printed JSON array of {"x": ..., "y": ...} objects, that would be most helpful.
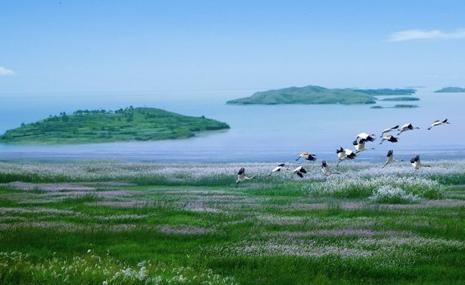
[
  {"x": 405, "y": 106},
  {"x": 387, "y": 91},
  {"x": 317, "y": 95},
  {"x": 397, "y": 106},
  {"x": 450, "y": 90},
  {"x": 99, "y": 126},
  {"x": 401, "y": 99}
]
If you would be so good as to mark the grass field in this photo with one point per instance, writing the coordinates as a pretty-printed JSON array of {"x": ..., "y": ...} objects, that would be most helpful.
[{"x": 109, "y": 222}]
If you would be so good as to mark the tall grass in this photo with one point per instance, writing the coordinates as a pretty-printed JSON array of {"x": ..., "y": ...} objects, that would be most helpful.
[
  {"x": 144, "y": 223},
  {"x": 89, "y": 268}
]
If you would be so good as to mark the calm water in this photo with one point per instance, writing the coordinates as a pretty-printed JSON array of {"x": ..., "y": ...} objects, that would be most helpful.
[{"x": 257, "y": 134}]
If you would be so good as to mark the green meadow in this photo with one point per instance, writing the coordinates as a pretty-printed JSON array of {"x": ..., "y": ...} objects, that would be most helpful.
[{"x": 111, "y": 222}]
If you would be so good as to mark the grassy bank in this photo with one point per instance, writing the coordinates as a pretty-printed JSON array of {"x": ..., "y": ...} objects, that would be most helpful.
[{"x": 145, "y": 223}]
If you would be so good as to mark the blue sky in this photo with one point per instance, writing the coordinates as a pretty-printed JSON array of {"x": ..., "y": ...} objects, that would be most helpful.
[{"x": 190, "y": 46}]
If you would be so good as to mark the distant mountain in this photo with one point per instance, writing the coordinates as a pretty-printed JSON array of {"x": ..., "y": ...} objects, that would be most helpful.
[
  {"x": 450, "y": 90},
  {"x": 306, "y": 95},
  {"x": 97, "y": 126}
]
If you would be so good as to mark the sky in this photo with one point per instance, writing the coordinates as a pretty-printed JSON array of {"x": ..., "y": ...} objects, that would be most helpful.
[{"x": 191, "y": 46}]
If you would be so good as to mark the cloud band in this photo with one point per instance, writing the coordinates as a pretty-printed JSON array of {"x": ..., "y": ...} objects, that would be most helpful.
[
  {"x": 5, "y": 71},
  {"x": 409, "y": 35}
]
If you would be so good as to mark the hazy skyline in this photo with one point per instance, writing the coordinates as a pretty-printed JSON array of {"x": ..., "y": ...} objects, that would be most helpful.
[{"x": 153, "y": 46}]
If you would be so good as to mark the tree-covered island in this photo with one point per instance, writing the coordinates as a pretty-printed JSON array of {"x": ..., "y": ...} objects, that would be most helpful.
[
  {"x": 401, "y": 99},
  {"x": 450, "y": 90},
  {"x": 99, "y": 126},
  {"x": 318, "y": 95}
]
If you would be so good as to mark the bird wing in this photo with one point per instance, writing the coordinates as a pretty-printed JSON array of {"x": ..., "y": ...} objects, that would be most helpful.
[
  {"x": 415, "y": 159},
  {"x": 362, "y": 135},
  {"x": 311, "y": 158},
  {"x": 278, "y": 168}
]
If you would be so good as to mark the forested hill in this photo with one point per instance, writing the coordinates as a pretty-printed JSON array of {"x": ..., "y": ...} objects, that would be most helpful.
[
  {"x": 318, "y": 95},
  {"x": 97, "y": 126}
]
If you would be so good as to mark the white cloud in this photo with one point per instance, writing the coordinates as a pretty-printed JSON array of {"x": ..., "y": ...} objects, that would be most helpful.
[
  {"x": 4, "y": 71},
  {"x": 409, "y": 35}
]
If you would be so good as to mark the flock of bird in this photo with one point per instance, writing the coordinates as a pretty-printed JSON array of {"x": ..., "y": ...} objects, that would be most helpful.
[{"x": 348, "y": 154}]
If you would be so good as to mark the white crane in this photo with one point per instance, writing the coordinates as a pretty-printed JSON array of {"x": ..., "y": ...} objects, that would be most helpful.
[
  {"x": 389, "y": 138},
  {"x": 438, "y": 123},
  {"x": 389, "y": 158},
  {"x": 366, "y": 137},
  {"x": 343, "y": 154},
  {"x": 308, "y": 156},
  {"x": 416, "y": 163},
  {"x": 325, "y": 169},
  {"x": 300, "y": 171},
  {"x": 406, "y": 127},
  {"x": 278, "y": 168},
  {"x": 241, "y": 176},
  {"x": 389, "y": 130},
  {"x": 359, "y": 145}
]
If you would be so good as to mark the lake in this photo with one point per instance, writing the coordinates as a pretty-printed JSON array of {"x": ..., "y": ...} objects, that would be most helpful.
[{"x": 276, "y": 133}]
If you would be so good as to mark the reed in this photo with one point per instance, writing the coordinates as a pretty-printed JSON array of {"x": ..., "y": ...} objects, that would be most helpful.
[{"x": 146, "y": 223}]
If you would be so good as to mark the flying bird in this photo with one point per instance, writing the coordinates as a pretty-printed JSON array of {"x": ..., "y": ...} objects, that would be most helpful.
[
  {"x": 343, "y": 154},
  {"x": 325, "y": 169},
  {"x": 416, "y": 163},
  {"x": 389, "y": 130},
  {"x": 241, "y": 176},
  {"x": 359, "y": 145},
  {"x": 389, "y": 158},
  {"x": 366, "y": 137},
  {"x": 278, "y": 168},
  {"x": 308, "y": 156},
  {"x": 406, "y": 127},
  {"x": 300, "y": 171},
  {"x": 438, "y": 123},
  {"x": 389, "y": 138}
]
